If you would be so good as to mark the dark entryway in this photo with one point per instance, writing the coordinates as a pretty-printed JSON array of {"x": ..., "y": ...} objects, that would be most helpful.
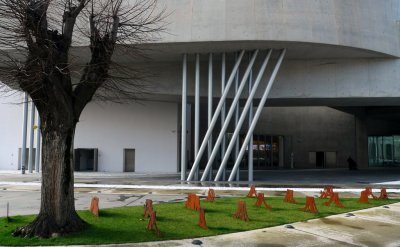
[
  {"x": 129, "y": 160},
  {"x": 320, "y": 159},
  {"x": 86, "y": 159}
]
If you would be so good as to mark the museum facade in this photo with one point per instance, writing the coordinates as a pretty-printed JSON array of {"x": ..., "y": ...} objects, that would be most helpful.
[{"x": 245, "y": 85}]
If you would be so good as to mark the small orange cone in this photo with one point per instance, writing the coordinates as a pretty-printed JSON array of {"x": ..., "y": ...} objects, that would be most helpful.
[
  {"x": 261, "y": 200},
  {"x": 193, "y": 202},
  {"x": 153, "y": 224},
  {"x": 363, "y": 197},
  {"x": 369, "y": 192},
  {"x": 241, "y": 212},
  {"x": 210, "y": 195},
  {"x": 335, "y": 199},
  {"x": 148, "y": 208},
  {"x": 252, "y": 192},
  {"x": 94, "y": 206},
  {"x": 383, "y": 195},
  {"x": 327, "y": 192},
  {"x": 202, "y": 219},
  {"x": 289, "y": 196},
  {"x": 310, "y": 205}
]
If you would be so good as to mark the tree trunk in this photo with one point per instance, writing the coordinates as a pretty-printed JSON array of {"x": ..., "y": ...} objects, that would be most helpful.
[{"x": 57, "y": 214}]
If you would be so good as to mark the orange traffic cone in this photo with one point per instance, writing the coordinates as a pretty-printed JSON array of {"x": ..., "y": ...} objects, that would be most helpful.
[
  {"x": 363, "y": 197},
  {"x": 152, "y": 225},
  {"x": 94, "y": 206},
  {"x": 383, "y": 195},
  {"x": 327, "y": 192},
  {"x": 261, "y": 200},
  {"x": 193, "y": 202},
  {"x": 202, "y": 219},
  {"x": 148, "y": 208},
  {"x": 289, "y": 197},
  {"x": 369, "y": 192},
  {"x": 210, "y": 195},
  {"x": 335, "y": 199},
  {"x": 252, "y": 192},
  {"x": 310, "y": 205},
  {"x": 241, "y": 212}
]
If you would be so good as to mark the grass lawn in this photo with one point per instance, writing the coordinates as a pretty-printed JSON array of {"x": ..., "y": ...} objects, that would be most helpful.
[{"x": 123, "y": 225}]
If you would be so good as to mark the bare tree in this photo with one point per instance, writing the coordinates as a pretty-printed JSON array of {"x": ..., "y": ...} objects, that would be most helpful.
[{"x": 41, "y": 42}]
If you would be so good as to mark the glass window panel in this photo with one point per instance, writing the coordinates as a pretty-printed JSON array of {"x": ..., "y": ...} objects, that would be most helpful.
[
  {"x": 383, "y": 151},
  {"x": 387, "y": 150},
  {"x": 396, "y": 142},
  {"x": 275, "y": 151},
  {"x": 372, "y": 151}
]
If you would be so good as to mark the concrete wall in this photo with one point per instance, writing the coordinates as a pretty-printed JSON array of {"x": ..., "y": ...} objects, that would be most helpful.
[
  {"x": 310, "y": 129},
  {"x": 366, "y": 24},
  {"x": 149, "y": 128},
  {"x": 299, "y": 82},
  {"x": 11, "y": 112}
]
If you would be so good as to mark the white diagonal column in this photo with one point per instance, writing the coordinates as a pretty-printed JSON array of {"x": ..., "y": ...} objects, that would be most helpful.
[
  {"x": 214, "y": 118},
  {"x": 229, "y": 115},
  {"x": 249, "y": 100},
  {"x": 257, "y": 114}
]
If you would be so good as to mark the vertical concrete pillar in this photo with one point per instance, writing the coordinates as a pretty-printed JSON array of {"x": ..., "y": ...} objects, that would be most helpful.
[
  {"x": 197, "y": 112},
  {"x": 31, "y": 138},
  {"x": 24, "y": 133},
  {"x": 236, "y": 153},
  {"x": 250, "y": 151},
  {"x": 210, "y": 106},
  {"x": 223, "y": 145},
  {"x": 183, "y": 117},
  {"x": 37, "y": 156}
]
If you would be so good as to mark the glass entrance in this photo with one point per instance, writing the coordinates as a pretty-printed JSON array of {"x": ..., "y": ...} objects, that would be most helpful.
[
  {"x": 383, "y": 151},
  {"x": 267, "y": 150}
]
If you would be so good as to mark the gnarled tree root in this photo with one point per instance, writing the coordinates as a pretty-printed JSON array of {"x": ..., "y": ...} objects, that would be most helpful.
[{"x": 45, "y": 227}]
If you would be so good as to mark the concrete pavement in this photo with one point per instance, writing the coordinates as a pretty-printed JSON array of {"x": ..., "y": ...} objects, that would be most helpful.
[
  {"x": 371, "y": 227},
  {"x": 340, "y": 178}
]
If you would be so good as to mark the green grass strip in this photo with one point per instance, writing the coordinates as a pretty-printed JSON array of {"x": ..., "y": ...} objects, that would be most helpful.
[{"x": 126, "y": 224}]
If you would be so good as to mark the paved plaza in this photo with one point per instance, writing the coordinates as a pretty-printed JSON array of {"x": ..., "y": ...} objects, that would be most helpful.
[{"x": 371, "y": 227}]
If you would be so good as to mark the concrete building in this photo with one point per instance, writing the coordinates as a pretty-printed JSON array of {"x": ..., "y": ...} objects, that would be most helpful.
[{"x": 335, "y": 95}]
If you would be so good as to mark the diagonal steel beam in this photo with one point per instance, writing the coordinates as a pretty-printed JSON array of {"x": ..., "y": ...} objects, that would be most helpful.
[
  {"x": 249, "y": 100},
  {"x": 257, "y": 115},
  {"x": 232, "y": 109},
  {"x": 214, "y": 118}
]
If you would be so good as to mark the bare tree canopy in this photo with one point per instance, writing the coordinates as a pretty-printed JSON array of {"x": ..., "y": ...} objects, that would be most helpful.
[
  {"x": 43, "y": 44},
  {"x": 47, "y": 37}
]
